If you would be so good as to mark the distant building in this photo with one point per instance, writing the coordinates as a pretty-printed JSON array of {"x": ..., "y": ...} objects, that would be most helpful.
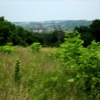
[{"x": 38, "y": 31}]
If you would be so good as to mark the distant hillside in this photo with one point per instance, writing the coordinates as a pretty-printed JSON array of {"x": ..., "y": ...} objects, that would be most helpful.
[{"x": 50, "y": 25}]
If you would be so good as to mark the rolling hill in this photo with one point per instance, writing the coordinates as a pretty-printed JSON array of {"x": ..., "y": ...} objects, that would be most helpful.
[{"x": 53, "y": 24}]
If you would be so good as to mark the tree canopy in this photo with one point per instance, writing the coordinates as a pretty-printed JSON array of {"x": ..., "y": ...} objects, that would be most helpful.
[
  {"x": 20, "y": 36},
  {"x": 14, "y": 34},
  {"x": 90, "y": 33},
  {"x": 17, "y": 35}
]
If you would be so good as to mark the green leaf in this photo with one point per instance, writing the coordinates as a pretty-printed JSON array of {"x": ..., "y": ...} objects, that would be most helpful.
[{"x": 70, "y": 80}]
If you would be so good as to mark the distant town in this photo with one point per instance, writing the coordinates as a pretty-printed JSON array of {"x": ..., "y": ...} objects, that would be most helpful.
[{"x": 49, "y": 26}]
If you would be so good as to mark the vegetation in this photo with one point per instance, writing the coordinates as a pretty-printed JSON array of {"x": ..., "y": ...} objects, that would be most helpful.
[
  {"x": 19, "y": 36},
  {"x": 9, "y": 33},
  {"x": 25, "y": 79},
  {"x": 14, "y": 34},
  {"x": 81, "y": 65},
  {"x": 8, "y": 48},
  {"x": 69, "y": 71},
  {"x": 90, "y": 33},
  {"x": 17, "y": 76},
  {"x": 36, "y": 46},
  {"x": 50, "y": 25}
]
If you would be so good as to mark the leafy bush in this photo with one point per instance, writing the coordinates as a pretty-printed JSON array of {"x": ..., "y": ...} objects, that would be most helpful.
[
  {"x": 81, "y": 65},
  {"x": 36, "y": 46},
  {"x": 8, "y": 48}
]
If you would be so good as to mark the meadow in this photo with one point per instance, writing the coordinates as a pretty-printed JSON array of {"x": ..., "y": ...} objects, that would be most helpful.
[
  {"x": 50, "y": 66},
  {"x": 70, "y": 72},
  {"x": 34, "y": 69}
]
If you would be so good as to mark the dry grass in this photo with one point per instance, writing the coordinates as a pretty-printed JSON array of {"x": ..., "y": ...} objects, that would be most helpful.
[
  {"x": 33, "y": 68},
  {"x": 42, "y": 77}
]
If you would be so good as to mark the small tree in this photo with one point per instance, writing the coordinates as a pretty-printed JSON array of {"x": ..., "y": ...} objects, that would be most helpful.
[
  {"x": 36, "y": 46},
  {"x": 8, "y": 48},
  {"x": 81, "y": 65}
]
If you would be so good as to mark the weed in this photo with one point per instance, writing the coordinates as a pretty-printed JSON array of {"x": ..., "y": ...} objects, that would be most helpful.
[{"x": 17, "y": 76}]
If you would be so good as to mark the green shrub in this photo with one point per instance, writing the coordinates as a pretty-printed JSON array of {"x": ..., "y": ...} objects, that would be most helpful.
[
  {"x": 36, "y": 46},
  {"x": 8, "y": 48},
  {"x": 81, "y": 65}
]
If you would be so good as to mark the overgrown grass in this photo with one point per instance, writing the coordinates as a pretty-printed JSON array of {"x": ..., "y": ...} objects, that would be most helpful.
[
  {"x": 40, "y": 77},
  {"x": 35, "y": 68}
]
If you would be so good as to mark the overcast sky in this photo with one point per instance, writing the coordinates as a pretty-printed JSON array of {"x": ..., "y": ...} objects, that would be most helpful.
[{"x": 42, "y": 10}]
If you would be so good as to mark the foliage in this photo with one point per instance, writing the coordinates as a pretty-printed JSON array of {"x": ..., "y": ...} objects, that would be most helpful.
[
  {"x": 36, "y": 46},
  {"x": 14, "y": 34},
  {"x": 81, "y": 65},
  {"x": 51, "y": 39},
  {"x": 17, "y": 76},
  {"x": 85, "y": 34},
  {"x": 41, "y": 77},
  {"x": 90, "y": 33},
  {"x": 30, "y": 79},
  {"x": 95, "y": 29},
  {"x": 8, "y": 48},
  {"x": 19, "y": 36},
  {"x": 73, "y": 73}
]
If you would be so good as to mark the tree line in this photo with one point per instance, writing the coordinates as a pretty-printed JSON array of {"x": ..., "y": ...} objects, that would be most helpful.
[
  {"x": 90, "y": 33},
  {"x": 17, "y": 35}
]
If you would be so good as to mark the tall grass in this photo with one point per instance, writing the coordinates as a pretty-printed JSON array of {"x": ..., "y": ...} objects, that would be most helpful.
[
  {"x": 35, "y": 67},
  {"x": 41, "y": 77}
]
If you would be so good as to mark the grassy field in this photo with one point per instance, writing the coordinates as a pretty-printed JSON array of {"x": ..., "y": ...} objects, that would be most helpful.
[
  {"x": 35, "y": 68},
  {"x": 38, "y": 77}
]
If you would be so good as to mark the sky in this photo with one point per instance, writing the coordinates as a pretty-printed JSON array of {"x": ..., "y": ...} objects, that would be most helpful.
[{"x": 43, "y": 10}]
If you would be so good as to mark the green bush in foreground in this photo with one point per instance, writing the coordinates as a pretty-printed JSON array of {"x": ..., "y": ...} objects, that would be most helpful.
[
  {"x": 36, "y": 46},
  {"x": 8, "y": 48},
  {"x": 81, "y": 65}
]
